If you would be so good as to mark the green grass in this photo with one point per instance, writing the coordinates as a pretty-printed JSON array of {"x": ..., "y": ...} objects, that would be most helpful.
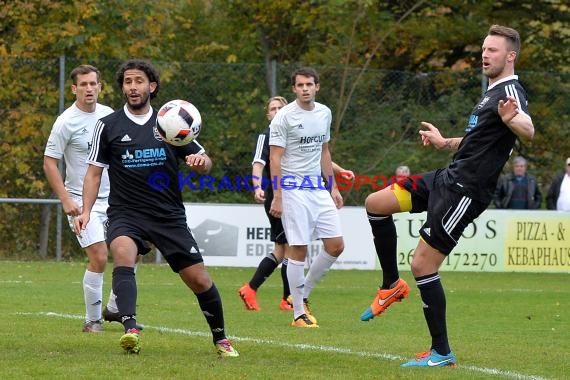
[{"x": 501, "y": 325}]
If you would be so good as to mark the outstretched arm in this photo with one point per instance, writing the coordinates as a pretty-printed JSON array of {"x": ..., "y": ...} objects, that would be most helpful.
[
  {"x": 518, "y": 122},
  {"x": 432, "y": 136}
]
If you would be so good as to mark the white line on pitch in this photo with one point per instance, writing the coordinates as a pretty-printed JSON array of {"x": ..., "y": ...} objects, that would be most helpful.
[{"x": 311, "y": 347}]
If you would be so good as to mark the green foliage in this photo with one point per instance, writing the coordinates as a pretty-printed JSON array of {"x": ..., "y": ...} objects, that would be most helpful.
[{"x": 385, "y": 66}]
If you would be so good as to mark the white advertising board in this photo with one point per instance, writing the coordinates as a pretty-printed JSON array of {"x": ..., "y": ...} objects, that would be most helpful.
[{"x": 499, "y": 240}]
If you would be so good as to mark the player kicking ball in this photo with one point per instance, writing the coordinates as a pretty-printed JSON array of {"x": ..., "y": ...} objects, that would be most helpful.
[{"x": 453, "y": 196}]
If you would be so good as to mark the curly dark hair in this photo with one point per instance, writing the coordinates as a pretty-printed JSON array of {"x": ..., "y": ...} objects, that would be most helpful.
[{"x": 144, "y": 66}]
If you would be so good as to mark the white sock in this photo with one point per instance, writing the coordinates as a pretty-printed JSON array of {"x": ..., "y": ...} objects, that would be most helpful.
[
  {"x": 93, "y": 294},
  {"x": 319, "y": 267},
  {"x": 296, "y": 277},
  {"x": 112, "y": 303}
]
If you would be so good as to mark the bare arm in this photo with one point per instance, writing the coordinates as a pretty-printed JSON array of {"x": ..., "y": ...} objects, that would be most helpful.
[
  {"x": 91, "y": 183},
  {"x": 452, "y": 143},
  {"x": 256, "y": 174},
  {"x": 275, "y": 154},
  {"x": 327, "y": 170},
  {"x": 53, "y": 175},
  {"x": 431, "y": 136},
  {"x": 200, "y": 163},
  {"x": 344, "y": 173},
  {"x": 519, "y": 123}
]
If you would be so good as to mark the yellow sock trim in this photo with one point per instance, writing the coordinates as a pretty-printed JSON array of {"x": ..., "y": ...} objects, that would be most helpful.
[{"x": 404, "y": 197}]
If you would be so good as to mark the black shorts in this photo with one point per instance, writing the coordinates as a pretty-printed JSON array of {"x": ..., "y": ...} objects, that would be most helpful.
[
  {"x": 172, "y": 237},
  {"x": 448, "y": 211},
  {"x": 277, "y": 233}
]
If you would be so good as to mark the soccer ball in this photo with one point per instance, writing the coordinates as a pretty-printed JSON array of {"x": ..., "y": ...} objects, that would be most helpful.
[{"x": 178, "y": 122}]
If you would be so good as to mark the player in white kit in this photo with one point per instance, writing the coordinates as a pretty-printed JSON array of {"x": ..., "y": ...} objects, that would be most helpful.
[
  {"x": 70, "y": 139},
  {"x": 306, "y": 197}
]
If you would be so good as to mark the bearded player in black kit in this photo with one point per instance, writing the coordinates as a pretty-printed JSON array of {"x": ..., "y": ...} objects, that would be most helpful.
[
  {"x": 453, "y": 196},
  {"x": 127, "y": 143}
]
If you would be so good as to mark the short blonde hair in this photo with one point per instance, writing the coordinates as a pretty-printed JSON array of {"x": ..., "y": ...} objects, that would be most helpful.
[{"x": 278, "y": 98}]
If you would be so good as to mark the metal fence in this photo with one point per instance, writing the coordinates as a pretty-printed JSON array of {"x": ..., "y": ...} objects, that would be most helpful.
[{"x": 376, "y": 114}]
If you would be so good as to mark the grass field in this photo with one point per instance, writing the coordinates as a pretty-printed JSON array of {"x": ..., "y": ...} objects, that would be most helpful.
[{"x": 501, "y": 325}]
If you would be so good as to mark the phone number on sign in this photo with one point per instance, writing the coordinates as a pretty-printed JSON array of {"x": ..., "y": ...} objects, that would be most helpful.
[{"x": 457, "y": 261}]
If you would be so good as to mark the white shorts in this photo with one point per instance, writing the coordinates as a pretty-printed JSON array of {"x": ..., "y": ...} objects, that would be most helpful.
[
  {"x": 309, "y": 215},
  {"x": 95, "y": 231}
]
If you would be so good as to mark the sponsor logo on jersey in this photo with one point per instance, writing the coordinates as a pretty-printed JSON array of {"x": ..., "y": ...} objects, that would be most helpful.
[
  {"x": 150, "y": 153},
  {"x": 145, "y": 157},
  {"x": 144, "y": 153},
  {"x": 126, "y": 138},
  {"x": 155, "y": 133},
  {"x": 312, "y": 139},
  {"x": 127, "y": 155},
  {"x": 472, "y": 123}
]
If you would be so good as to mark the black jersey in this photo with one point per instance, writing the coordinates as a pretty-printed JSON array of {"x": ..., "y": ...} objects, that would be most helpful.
[
  {"x": 487, "y": 144},
  {"x": 261, "y": 155},
  {"x": 143, "y": 169}
]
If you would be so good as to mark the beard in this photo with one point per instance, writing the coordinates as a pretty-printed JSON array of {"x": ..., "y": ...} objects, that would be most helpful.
[
  {"x": 493, "y": 72},
  {"x": 140, "y": 105}
]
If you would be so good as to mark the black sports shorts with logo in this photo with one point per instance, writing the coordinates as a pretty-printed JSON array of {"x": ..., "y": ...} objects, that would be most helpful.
[
  {"x": 448, "y": 211},
  {"x": 172, "y": 237}
]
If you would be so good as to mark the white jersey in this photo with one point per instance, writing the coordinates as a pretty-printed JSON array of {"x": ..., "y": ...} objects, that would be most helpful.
[
  {"x": 70, "y": 138},
  {"x": 302, "y": 133}
]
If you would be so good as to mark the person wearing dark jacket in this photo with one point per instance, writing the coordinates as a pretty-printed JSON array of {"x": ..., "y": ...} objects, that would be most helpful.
[{"x": 518, "y": 190}]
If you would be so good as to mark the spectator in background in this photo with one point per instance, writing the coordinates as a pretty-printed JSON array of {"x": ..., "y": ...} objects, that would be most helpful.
[
  {"x": 518, "y": 190},
  {"x": 403, "y": 170},
  {"x": 558, "y": 197}
]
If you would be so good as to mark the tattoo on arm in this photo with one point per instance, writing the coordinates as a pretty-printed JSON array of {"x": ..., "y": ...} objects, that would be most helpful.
[{"x": 451, "y": 143}]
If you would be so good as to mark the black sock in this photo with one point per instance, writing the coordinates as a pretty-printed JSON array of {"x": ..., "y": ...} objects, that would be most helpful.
[
  {"x": 385, "y": 242},
  {"x": 211, "y": 306},
  {"x": 125, "y": 288},
  {"x": 286, "y": 289},
  {"x": 433, "y": 297},
  {"x": 264, "y": 270}
]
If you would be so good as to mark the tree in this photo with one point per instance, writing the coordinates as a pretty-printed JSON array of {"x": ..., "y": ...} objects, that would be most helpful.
[{"x": 384, "y": 67}]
